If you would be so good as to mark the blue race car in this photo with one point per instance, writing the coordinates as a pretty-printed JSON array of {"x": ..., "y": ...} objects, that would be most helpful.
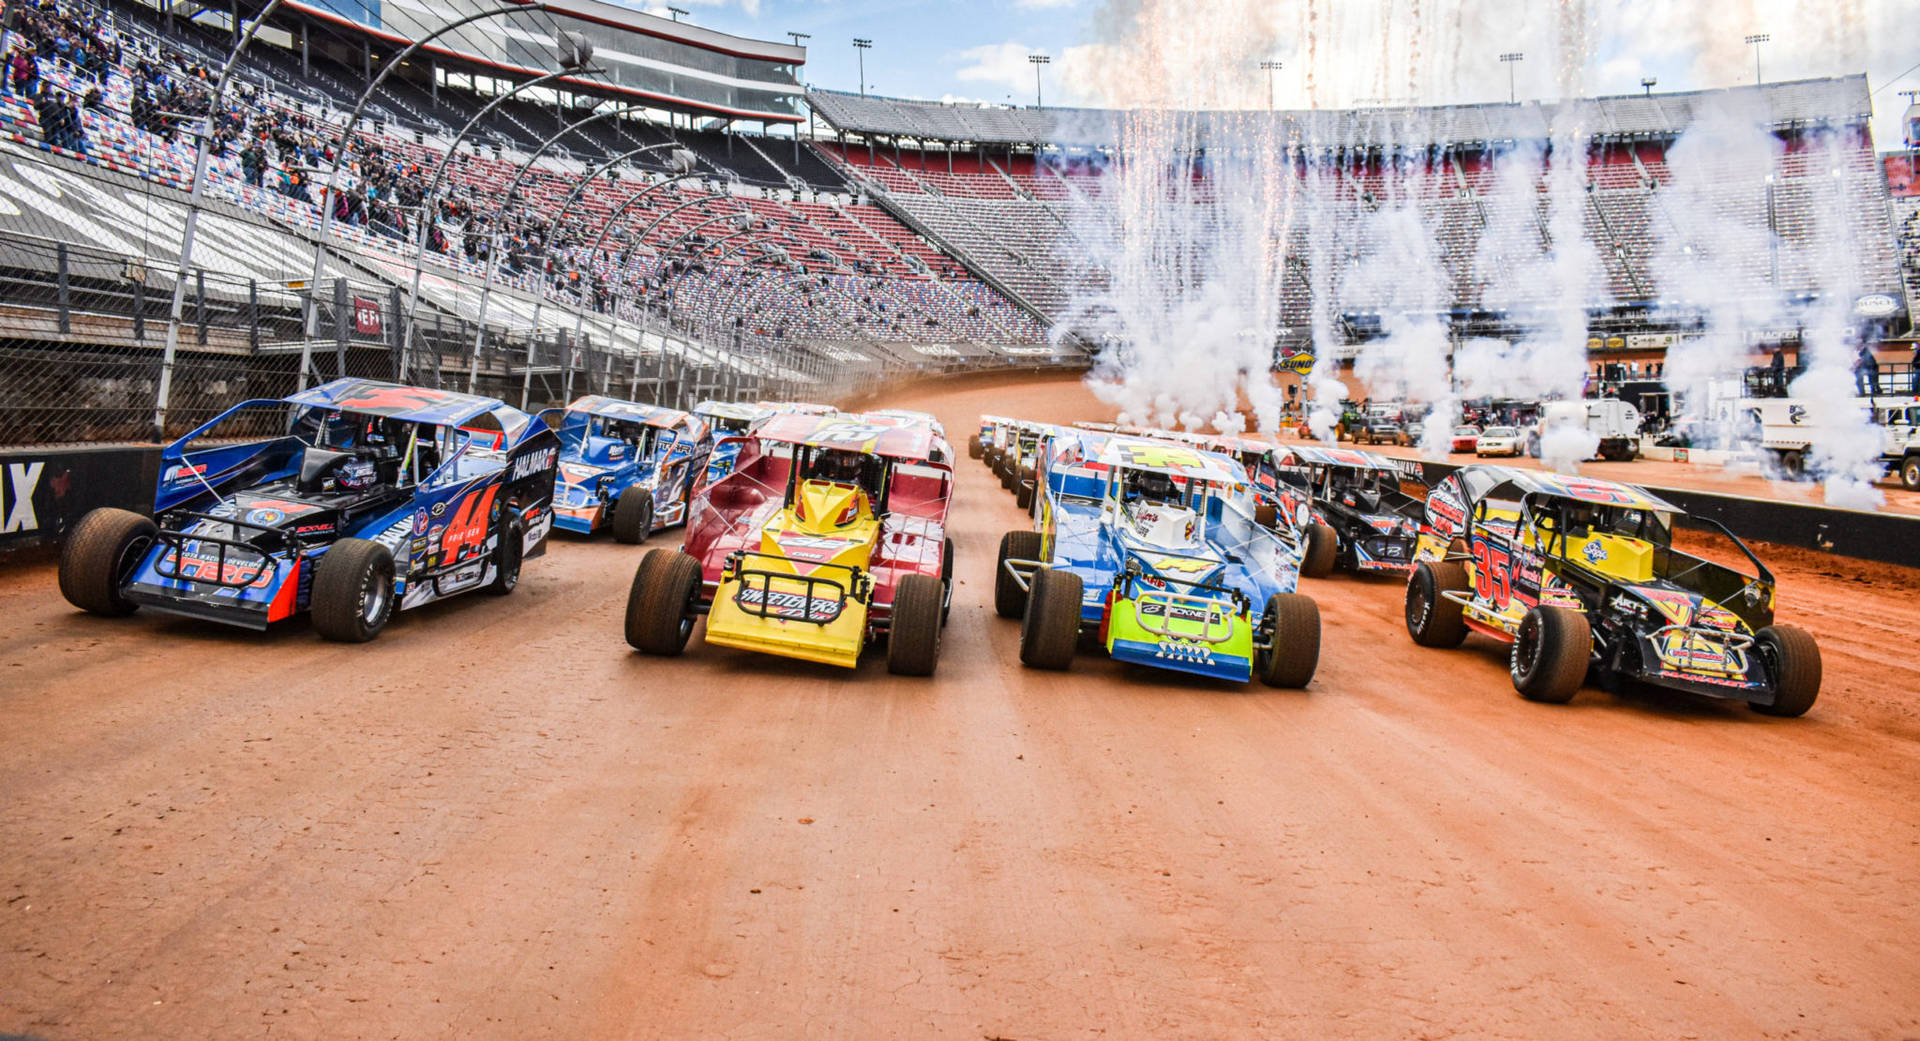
[
  {"x": 627, "y": 466},
  {"x": 349, "y": 501},
  {"x": 730, "y": 421},
  {"x": 1152, "y": 548}
]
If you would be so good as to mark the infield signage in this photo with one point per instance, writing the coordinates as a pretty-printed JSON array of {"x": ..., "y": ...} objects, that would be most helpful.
[{"x": 44, "y": 491}]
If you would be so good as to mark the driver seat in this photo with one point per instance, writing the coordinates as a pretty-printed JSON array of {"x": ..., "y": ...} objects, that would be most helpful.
[{"x": 315, "y": 465}]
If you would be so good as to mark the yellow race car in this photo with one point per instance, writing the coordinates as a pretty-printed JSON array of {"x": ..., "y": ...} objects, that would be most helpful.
[
  {"x": 1582, "y": 576},
  {"x": 829, "y": 534}
]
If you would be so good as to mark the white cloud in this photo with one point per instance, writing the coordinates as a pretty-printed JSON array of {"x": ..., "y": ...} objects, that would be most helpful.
[
  {"x": 1000, "y": 64},
  {"x": 1044, "y": 4}
]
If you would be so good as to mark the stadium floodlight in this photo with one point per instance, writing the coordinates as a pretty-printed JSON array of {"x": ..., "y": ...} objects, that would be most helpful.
[
  {"x": 860, "y": 47},
  {"x": 1271, "y": 67},
  {"x": 1508, "y": 60},
  {"x": 1647, "y": 82},
  {"x": 1037, "y": 60},
  {"x": 1754, "y": 40},
  {"x": 574, "y": 50}
]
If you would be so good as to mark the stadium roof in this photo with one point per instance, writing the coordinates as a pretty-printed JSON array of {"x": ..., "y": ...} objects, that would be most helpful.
[{"x": 1838, "y": 100}]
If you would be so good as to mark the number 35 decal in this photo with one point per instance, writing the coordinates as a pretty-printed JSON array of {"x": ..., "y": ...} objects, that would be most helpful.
[{"x": 1492, "y": 573}]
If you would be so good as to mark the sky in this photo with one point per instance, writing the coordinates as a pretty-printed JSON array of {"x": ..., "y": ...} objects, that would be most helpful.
[{"x": 1333, "y": 53}]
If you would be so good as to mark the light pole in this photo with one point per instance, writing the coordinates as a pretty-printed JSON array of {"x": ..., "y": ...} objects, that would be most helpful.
[
  {"x": 860, "y": 46},
  {"x": 1508, "y": 59},
  {"x": 1646, "y": 83},
  {"x": 676, "y": 12},
  {"x": 797, "y": 37},
  {"x": 1271, "y": 67},
  {"x": 1754, "y": 40},
  {"x": 1037, "y": 60}
]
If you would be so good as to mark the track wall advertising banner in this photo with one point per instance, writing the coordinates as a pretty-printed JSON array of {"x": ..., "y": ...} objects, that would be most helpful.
[{"x": 44, "y": 491}]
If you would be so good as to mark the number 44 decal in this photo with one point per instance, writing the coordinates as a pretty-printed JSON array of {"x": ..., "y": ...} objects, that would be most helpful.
[{"x": 1492, "y": 573}]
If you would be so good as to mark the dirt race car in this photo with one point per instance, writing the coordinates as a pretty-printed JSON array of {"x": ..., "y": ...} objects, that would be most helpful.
[
  {"x": 627, "y": 466},
  {"x": 829, "y": 534},
  {"x": 1581, "y": 576},
  {"x": 1346, "y": 505},
  {"x": 348, "y": 500},
  {"x": 728, "y": 420},
  {"x": 1152, "y": 548}
]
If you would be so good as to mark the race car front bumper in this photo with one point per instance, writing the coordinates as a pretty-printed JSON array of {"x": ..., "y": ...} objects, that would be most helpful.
[
  {"x": 1183, "y": 632},
  {"x": 762, "y": 604}
]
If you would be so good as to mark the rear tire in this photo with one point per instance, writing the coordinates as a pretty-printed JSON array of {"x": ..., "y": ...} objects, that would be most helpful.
[
  {"x": 661, "y": 602},
  {"x": 946, "y": 580},
  {"x": 1793, "y": 464},
  {"x": 632, "y": 516},
  {"x": 353, "y": 591},
  {"x": 974, "y": 448},
  {"x": 913, "y": 634},
  {"x": 1550, "y": 654},
  {"x": 1023, "y": 490},
  {"x": 1292, "y": 621},
  {"x": 1322, "y": 547},
  {"x": 1051, "y": 628},
  {"x": 1266, "y": 514},
  {"x": 1795, "y": 658},
  {"x": 100, "y": 554},
  {"x": 1910, "y": 473},
  {"x": 1432, "y": 619},
  {"x": 1009, "y": 600},
  {"x": 508, "y": 554}
]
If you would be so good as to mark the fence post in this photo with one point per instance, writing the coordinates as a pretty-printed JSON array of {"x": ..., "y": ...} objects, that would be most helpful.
[
  {"x": 140, "y": 308},
  {"x": 339, "y": 327},
  {"x": 200, "y": 304},
  {"x": 393, "y": 335},
  {"x": 253, "y": 316},
  {"x": 66, "y": 322}
]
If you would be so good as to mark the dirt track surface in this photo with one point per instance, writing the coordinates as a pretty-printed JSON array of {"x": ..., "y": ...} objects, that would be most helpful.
[{"x": 496, "y": 822}]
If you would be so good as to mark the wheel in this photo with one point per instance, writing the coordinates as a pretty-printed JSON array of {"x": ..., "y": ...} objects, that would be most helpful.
[
  {"x": 1550, "y": 654},
  {"x": 974, "y": 448},
  {"x": 353, "y": 591},
  {"x": 946, "y": 579},
  {"x": 1007, "y": 473},
  {"x": 1322, "y": 546},
  {"x": 913, "y": 634},
  {"x": 1024, "y": 489},
  {"x": 1432, "y": 619},
  {"x": 100, "y": 554},
  {"x": 1292, "y": 626},
  {"x": 507, "y": 555},
  {"x": 1793, "y": 464},
  {"x": 661, "y": 603},
  {"x": 1910, "y": 473},
  {"x": 1266, "y": 514},
  {"x": 1051, "y": 626},
  {"x": 1794, "y": 660},
  {"x": 1009, "y": 599},
  {"x": 632, "y": 516}
]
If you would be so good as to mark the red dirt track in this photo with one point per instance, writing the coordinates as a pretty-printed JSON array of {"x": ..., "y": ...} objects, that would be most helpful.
[{"x": 497, "y": 822}]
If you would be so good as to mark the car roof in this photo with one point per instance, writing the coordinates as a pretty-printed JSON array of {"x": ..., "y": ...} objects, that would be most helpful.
[
  {"x": 1167, "y": 457},
  {"x": 1320, "y": 455},
  {"x": 732, "y": 410},
  {"x": 850, "y": 433},
  {"x": 411, "y": 404},
  {"x": 651, "y": 415},
  {"x": 1568, "y": 486}
]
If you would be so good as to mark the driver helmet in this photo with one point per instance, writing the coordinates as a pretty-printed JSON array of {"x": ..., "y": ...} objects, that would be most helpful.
[
  {"x": 1151, "y": 485},
  {"x": 356, "y": 475},
  {"x": 843, "y": 467}
]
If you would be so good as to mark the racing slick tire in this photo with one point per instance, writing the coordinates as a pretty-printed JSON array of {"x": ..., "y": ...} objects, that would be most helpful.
[
  {"x": 913, "y": 634},
  {"x": 509, "y": 552},
  {"x": 974, "y": 448},
  {"x": 100, "y": 555},
  {"x": 1266, "y": 514},
  {"x": 1432, "y": 619},
  {"x": 946, "y": 580},
  {"x": 353, "y": 591},
  {"x": 632, "y": 516},
  {"x": 1023, "y": 489},
  {"x": 1051, "y": 627},
  {"x": 1009, "y": 599},
  {"x": 660, "y": 606},
  {"x": 1910, "y": 473},
  {"x": 1008, "y": 471},
  {"x": 1292, "y": 624},
  {"x": 1551, "y": 650},
  {"x": 1795, "y": 661},
  {"x": 1322, "y": 547}
]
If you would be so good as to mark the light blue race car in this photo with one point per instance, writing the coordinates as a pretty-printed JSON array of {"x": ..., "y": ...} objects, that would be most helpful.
[{"x": 626, "y": 466}]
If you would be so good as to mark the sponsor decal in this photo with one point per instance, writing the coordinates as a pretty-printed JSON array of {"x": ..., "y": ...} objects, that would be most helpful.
[
  {"x": 794, "y": 606},
  {"x": 314, "y": 529},
  {"x": 185, "y": 472},
  {"x": 266, "y": 516},
  {"x": 18, "y": 482},
  {"x": 1182, "y": 565},
  {"x": 534, "y": 462},
  {"x": 1445, "y": 512},
  {"x": 420, "y": 521},
  {"x": 1594, "y": 552},
  {"x": 1182, "y": 612},
  {"x": 1299, "y": 363},
  {"x": 469, "y": 529},
  {"x": 1718, "y": 681}
]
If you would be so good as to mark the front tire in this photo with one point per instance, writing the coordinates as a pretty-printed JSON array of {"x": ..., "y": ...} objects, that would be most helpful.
[
  {"x": 974, "y": 448},
  {"x": 632, "y": 516},
  {"x": 913, "y": 633},
  {"x": 1051, "y": 628},
  {"x": 1009, "y": 599},
  {"x": 661, "y": 603},
  {"x": 100, "y": 554},
  {"x": 1910, "y": 473},
  {"x": 1023, "y": 489},
  {"x": 353, "y": 591},
  {"x": 1795, "y": 659},
  {"x": 1550, "y": 654},
  {"x": 1292, "y": 624},
  {"x": 1434, "y": 620},
  {"x": 508, "y": 554},
  {"x": 1322, "y": 547}
]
